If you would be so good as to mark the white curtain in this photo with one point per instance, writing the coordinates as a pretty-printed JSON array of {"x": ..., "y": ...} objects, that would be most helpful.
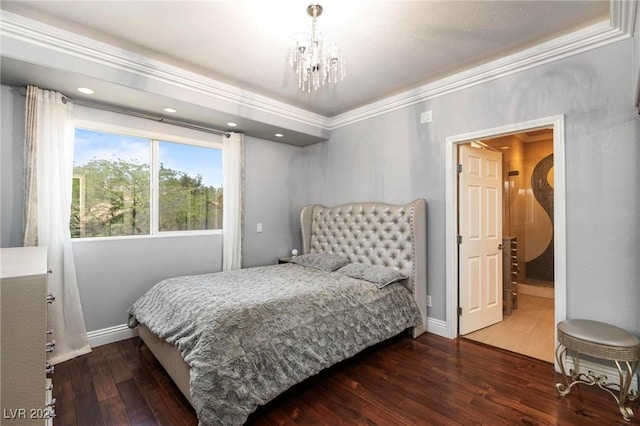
[
  {"x": 232, "y": 200},
  {"x": 49, "y": 171}
]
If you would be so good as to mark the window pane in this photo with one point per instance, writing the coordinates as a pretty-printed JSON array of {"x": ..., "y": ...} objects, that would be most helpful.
[
  {"x": 110, "y": 185},
  {"x": 190, "y": 187}
]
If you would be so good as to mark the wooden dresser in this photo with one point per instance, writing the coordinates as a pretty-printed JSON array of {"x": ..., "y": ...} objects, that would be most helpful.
[{"x": 25, "y": 394}]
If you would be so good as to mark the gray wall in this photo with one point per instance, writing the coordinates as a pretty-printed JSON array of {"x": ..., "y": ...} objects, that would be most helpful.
[
  {"x": 394, "y": 158},
  {"x": 112, "y": 273},
  {"x": 270, "y": 199},
  {"x": 12, "y": 168}
]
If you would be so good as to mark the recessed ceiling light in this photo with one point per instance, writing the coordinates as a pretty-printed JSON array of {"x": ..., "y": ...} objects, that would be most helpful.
[
  {"x": 171, "y": 110},
  {"x": 85, "y": 90},
  {"x": 278, "y": 135},
  {"x": 232, "y": 124}
]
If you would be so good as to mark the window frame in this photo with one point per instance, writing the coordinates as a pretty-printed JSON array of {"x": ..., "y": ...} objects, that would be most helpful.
[{"x": 155, "y": 137}]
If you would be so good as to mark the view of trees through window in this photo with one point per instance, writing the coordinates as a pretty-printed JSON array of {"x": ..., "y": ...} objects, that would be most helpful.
[{"x": 112, "y": 186}]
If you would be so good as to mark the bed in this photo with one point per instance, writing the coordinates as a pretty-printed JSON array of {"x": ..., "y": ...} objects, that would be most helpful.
[{"x": 234, "y": 340}]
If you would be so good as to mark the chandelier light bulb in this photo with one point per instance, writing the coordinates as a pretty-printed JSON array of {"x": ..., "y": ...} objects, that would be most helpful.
[{"x": 314, "y": 64}]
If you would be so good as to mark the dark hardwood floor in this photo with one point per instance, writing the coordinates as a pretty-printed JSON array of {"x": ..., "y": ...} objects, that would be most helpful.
[{"x": 427, "y": 381}]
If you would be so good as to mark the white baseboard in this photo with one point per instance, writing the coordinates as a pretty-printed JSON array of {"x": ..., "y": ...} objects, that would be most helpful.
[
  {"x": 599, "y": 369},
  {"x": 438, "y": 327},
  {"x": 111, "y": 334}
]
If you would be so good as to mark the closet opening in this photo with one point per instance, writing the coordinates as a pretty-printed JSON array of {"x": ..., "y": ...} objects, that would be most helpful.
[
  {"x": 528, "y": 324},
  {"x": 528, "y": 166}
]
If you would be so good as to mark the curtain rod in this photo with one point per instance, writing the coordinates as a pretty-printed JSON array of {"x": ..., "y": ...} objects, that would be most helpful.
[
  {"x": 151, "y": 117},
  {"x": 159, "y": 119}
]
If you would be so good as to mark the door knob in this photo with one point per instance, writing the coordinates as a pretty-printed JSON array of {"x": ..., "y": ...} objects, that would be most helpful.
[{"x": 500, "y": 246}]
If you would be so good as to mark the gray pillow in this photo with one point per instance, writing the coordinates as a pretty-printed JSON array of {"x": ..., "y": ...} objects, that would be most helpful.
[
  {"x": 379, "y": 275},
  {"x": 324, "y": 261}
]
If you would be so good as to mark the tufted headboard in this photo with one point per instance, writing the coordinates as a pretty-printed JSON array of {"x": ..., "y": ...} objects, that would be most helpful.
[{"x": 373, "y": 233}]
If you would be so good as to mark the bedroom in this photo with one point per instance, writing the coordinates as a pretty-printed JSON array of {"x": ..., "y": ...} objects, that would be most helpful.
[{"x": 593, "y": 88}]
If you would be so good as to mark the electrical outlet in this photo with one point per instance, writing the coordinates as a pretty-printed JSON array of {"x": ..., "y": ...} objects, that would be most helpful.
[
  {"x": 428, "y": 301},
  {"x": 259, "y": 227}
]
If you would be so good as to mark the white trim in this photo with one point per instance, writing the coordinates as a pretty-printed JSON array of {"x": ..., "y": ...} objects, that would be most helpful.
[
  {"x": 560, "y": 261},
  {"x": 59, "y": 40},
  {"x": 437, "y": 327},
  {"x": 618, "y": 27},
  {"x": 111, "y": 334},
  {"x": 581, "y": 41},
  {"x": 622, "y": 15}
]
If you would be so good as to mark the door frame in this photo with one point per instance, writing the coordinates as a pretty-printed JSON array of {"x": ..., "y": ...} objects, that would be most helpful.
[{"x": 559, "y": 213}]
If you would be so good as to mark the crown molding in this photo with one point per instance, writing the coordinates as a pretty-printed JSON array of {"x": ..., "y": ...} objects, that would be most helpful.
[
  {"x": 618, "y": 27},
  {"x": 59, "y": 40}
]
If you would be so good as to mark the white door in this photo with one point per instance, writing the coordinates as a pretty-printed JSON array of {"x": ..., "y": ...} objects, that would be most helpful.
[{"x": 480, "y": 243}]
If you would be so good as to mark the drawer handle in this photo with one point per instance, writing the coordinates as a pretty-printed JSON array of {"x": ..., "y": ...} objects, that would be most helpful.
[
  {"x": 50, "y": 298},
  {"x": 49, "y": 347},
  {"x": 50, "y": 409}
]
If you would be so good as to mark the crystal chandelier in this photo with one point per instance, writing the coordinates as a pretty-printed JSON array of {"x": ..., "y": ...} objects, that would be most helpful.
[{"x": 314, "y": 64}]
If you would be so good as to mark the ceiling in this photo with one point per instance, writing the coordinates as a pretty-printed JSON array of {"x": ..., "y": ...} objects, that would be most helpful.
[{"x": 391, "y": 46}]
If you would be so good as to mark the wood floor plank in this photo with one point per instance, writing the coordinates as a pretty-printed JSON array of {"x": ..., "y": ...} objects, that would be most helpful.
[
  {"x": 87, "y": 410},
  {"x": 65, "y": 398},
  {"x": 136, "y": 406},
  {"x": 104, "y": 384},
  {"x": 114, "y": 412},
  {"x": 118, "y": 366},
  {"x": 426, "y": 381}
]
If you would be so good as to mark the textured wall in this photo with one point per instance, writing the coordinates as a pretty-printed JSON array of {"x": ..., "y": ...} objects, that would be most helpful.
[
  {"x": 270, "y": 199},
  {"x": 11, "y": 167},
  {"x": 394, "y": 158}
]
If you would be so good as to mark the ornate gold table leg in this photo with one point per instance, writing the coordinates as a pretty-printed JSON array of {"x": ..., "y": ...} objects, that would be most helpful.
[
  {"x": 590, "y": 379},
  {"x": 562, "y": 388},
  {"x": 603, "y": 341},
  {"x": 625, "y": 384}
]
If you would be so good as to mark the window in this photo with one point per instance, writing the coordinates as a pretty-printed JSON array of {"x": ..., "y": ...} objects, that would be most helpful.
[{"x": 128, "y": 185}]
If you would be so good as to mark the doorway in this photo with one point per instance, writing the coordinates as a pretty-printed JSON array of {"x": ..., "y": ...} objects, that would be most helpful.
[
  {"x": 526, "y": 323},
  {"x": 549, "y": 243}
]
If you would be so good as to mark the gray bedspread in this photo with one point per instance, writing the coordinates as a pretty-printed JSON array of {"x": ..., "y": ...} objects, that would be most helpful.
[{"x": 248, "y": 335}]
